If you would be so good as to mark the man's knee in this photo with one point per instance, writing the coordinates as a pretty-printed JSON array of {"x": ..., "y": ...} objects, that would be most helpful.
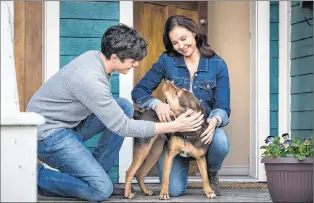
[
  {"x": 101, "y": 190},
  {"x": 126, "y": 106}
]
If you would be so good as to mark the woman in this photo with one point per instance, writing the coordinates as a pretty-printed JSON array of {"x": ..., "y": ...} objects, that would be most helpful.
[{"x": 189, "y": 62}]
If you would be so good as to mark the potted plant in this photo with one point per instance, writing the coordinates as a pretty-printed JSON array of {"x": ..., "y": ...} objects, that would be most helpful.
[{"x": 289, "y": 168}]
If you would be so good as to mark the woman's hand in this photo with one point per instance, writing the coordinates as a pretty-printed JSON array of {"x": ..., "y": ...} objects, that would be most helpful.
[
  {"x": 209, "y": 132},
  {"x": 164, "y": 112},
  {"x": 189, "y": 121}
]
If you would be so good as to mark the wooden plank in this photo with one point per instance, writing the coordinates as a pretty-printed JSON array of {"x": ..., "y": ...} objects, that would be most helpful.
[
  {"x": 298, "y": 14},
  {"x": 89, "y": 10},
  {"x": 302, "y": 48},
  {"x": 302, "y": 120},
  {"x": 188, "y": 13},
  {"x": 302, "y": 102},
  {"x": 273, "y": 102},
  {"x": 302, "y": 84},
  {"x": 301, "y": 66},
  {"x": 19, "y": 50},
  {"x": 301, "y": 133},
  {"x": 273, "y": 132},
  {"x": 273, "y": 119},
  {"x": 274, "y": 31},
  {"x": 34, "y": 48},
  {"x": 191, "y": 5},
  {"x": 77, "y": 46},
  {"x": 274, "y": 84},
  {"x": 274, "y": 14},
  {"x": 64, "y": 60},
  {"x": 84, "y": 28},
  {"x": 274, "y": 66},
  {"x": 274, "y": 3},
  {"x": 301, "y": 30},
  {"x": 295, "y": 3},
  {"x": 274, "y": 49}
]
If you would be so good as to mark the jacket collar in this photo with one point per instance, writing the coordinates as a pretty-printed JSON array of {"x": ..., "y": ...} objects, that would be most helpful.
[{"x": 202, "y": 66}]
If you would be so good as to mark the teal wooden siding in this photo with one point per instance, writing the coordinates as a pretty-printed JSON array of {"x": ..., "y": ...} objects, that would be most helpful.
[
  {"x": 82, "y": 25},
  {"x": 302, "y": 97},
  {"x": 274, "y": 66}
]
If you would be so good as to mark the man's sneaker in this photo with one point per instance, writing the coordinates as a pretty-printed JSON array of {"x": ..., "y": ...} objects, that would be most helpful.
[{"x": 214, "y": 182}]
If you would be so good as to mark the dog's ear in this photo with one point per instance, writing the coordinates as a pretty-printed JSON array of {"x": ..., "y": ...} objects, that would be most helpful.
[{"x": 137, "y": 114}]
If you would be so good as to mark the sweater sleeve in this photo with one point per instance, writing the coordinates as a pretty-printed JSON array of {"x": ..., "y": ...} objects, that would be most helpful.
[{"x": 94, "y": 92}]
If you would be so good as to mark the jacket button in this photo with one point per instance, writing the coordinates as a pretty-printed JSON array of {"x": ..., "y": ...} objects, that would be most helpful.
[
  {"x": 200, "y": 100},
  {"x": 172, "y": 81},
  {"x": 195, "y": 87},
  {"x": 195, "y": 74},
  {"x": 208, "y": 86}
]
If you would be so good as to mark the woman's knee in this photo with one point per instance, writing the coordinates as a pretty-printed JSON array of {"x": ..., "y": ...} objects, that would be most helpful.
[
  {"x": 176, "y": 190},
  {"x": 221, "y": 141},
  {"x": 126, "y": 106}
]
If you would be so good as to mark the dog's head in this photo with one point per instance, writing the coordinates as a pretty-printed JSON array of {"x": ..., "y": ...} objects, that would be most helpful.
[{"x": 180, "y": 99}]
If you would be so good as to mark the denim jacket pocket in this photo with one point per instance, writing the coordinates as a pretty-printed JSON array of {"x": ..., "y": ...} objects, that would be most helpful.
[
  {"x": 206, "y": 89},
  {"x": 178, "y": 82}
]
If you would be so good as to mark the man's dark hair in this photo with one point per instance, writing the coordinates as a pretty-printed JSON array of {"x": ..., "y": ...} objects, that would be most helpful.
[{"x": 124, "y": 42}]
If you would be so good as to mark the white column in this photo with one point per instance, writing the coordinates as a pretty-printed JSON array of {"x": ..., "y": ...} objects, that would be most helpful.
[
  {"x": 284, "y": 68},
  {"x": 9, "y": 93},
  {"x": 125, "y": 88},
  {"x": 259, "y": 85},
  {"x": 51, "y": 39}
]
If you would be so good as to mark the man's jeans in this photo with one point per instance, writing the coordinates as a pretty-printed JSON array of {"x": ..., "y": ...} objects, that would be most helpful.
[
  {"x": 178, "y": 180},
  {"x": 81, "y": 174}
]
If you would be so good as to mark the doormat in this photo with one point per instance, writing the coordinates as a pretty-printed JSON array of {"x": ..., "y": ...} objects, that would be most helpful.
[{"x": 231, "y": 185}]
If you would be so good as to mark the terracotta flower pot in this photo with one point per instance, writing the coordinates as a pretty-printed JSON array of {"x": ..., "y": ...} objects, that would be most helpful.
[{"x": 289, "y": 180}]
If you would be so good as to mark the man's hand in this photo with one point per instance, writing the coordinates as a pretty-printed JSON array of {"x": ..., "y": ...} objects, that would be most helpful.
[
  {"x": 189, "y": 121},
  {"x": 209, "y": 132},
  {"x": 164, "y": 112}
]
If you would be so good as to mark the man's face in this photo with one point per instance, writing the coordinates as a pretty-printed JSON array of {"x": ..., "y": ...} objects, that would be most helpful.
[{"x": 125, "y": 66}]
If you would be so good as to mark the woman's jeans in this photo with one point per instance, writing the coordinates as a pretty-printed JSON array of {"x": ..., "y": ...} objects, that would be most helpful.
[
  {"x": 178, "y": 180},
  {"x": 81, "y": 173}
]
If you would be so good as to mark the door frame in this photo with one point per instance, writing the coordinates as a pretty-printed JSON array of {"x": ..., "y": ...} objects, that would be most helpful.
[{"x": 259, "y": 77}]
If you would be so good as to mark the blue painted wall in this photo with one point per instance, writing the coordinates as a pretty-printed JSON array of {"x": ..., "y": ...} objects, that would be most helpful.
[
  {"x": 302, "y": 99},
  {"x": 82, "y": 25},
  {"x": 274, "y": 67}
]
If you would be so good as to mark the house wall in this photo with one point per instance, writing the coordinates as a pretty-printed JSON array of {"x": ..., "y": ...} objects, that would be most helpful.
[
  {"x": 82, "y": 25},
  {"x": 301, "y": 71},
  {"x": 274, "y": 66}
]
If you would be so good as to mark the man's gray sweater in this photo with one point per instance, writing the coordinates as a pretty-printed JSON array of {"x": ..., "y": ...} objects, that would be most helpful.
[{"x": 79, "y": 89}]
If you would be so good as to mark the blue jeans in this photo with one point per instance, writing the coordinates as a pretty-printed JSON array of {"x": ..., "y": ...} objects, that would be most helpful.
[
  {"x": 81, "y": 173},
  {"x": 178, "y": 180}
]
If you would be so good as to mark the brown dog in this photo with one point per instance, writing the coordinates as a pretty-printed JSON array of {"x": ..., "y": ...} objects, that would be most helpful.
[{"x": 188, "y": 144}]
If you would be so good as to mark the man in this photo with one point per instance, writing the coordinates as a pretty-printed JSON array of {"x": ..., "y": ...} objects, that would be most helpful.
[{"x": 77, "y": 104}]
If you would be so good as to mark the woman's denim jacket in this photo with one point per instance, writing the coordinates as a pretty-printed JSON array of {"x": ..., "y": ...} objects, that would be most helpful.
[{"x": 210, "y": 84}]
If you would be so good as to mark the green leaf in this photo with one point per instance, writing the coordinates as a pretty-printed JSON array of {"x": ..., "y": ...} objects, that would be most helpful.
[
  {"x": 289, "y": 155},
  {"x": 301, "y": 157}
]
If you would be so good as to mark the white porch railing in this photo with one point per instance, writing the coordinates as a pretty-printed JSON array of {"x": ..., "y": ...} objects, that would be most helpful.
[{"x": 18, "y": 130}]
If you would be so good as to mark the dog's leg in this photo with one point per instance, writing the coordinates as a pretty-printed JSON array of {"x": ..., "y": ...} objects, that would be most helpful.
[
  {"x": 201, "y": 162},
  {"x": 170, "y": 154},
  {"x": 149, "y": 162},
  {"x": 139, "y": 156}
]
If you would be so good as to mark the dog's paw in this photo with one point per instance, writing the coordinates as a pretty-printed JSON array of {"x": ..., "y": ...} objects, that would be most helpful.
[
  {"x": 129, "y": 195},
  {"x": 149, "y": 193},
  {"x": 164, "y": 195},
  {"x": 210, "y": 195}
]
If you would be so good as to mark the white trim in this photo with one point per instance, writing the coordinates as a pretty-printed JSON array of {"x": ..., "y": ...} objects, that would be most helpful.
[
  {"x": 125, "y": 88},
  {"x": 284, "y": 68},
  {"x": 259, "y": 82},
  {"x": 52, "y": 39}
]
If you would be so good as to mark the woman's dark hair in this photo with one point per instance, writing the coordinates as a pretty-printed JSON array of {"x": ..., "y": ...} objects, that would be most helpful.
[
  {"x": 188, "y": 23},
  {"x": 124, "y": 42}
]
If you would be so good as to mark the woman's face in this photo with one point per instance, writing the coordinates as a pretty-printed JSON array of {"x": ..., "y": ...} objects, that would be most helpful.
[{"x": 183, "y": 40}]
